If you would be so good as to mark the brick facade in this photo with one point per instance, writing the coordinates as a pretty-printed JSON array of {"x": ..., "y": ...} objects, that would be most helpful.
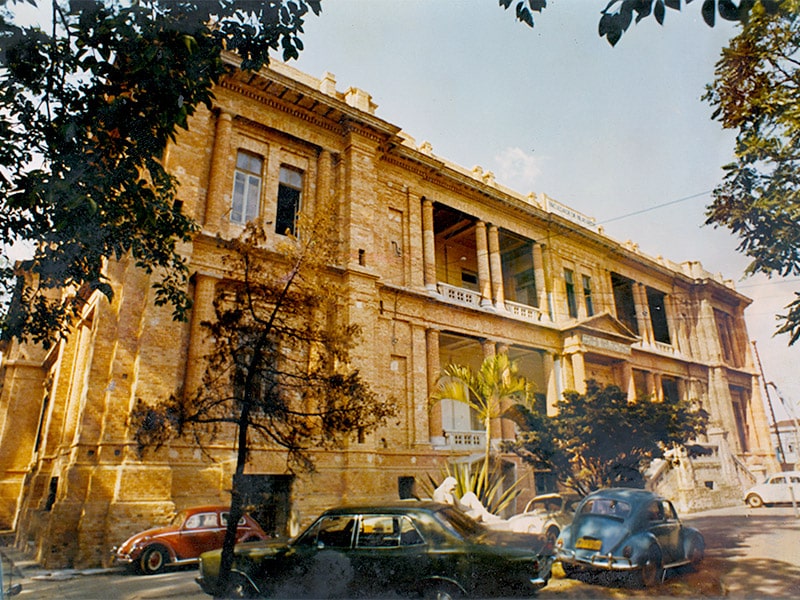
[{"x": 439, "y": 263}]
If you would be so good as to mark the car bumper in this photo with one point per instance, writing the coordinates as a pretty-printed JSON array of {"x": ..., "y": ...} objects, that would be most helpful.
[{"x": 596, "y": 561}]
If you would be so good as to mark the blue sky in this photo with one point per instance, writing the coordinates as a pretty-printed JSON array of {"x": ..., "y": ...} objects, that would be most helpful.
[{"x": 620, "y": 134}]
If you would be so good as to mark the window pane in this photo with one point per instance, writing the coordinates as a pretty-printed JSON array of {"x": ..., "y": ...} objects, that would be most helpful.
[
  {"x": 251, "y": 211},
  {"x": 246, "y": 188},
  {"x": 291, "y": 178},
  {"x": 237, "y": 207}
]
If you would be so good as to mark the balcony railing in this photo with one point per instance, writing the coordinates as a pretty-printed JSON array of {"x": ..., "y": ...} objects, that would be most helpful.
[
  {"x": 459, "y": 295},
  {"x": 464, "y": 440},
  {"x": 472, "y": 299},
  {"x": 525, "y": 312}
]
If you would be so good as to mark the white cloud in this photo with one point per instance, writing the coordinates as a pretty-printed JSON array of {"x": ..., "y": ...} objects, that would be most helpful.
[{"x": 517, "y": 169}]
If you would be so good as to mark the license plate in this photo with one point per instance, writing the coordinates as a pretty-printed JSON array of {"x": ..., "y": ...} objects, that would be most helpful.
[{"x": 588, "y": 544}]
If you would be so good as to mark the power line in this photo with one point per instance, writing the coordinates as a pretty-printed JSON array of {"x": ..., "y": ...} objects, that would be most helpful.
[{"x": 656, "y": 207}]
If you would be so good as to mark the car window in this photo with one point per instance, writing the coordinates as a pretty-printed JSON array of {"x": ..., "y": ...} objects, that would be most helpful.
[
  {"x": 378, "y": 532},
  {"x": 608, "y": 507},
  {"x": 778, "y": 480},
  {"x": 655, "y": 511},
  {"x": 336, "y": 531},
  {"x": 201, "y": 520},
  {"x": 224, "y": 518},
  {"x": 669, "y": 511},
  {"x": 409, "y": 536},
  {"x": 795, "y": 479}
]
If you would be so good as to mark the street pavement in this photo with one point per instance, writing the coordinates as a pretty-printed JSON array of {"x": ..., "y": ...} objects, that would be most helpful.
[{"x": 750, "y": 553}]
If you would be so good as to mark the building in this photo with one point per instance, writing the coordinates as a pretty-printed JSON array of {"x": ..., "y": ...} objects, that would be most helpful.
[{"x": 441, "y": 264}]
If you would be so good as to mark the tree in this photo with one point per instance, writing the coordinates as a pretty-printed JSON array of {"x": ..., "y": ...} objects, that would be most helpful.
[
  {"x": 86, "y": 112},
  {"x": 599, "y": 439},
  {"x": 756, "y": 91},
  {"x": 279, "y": 369},
  {"x": 489, "y": 392},
  {"x": 618, "y": 15}
]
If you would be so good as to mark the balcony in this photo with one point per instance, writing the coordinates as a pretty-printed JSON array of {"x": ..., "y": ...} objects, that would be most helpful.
[
  {"x": 465, "y": 440},
  {"x": 472, "y": 299},
  {"x": 458, "y": 295}
]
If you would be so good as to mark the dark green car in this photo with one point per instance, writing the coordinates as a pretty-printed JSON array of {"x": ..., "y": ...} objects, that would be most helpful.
[{"x": 406, "y": 548}]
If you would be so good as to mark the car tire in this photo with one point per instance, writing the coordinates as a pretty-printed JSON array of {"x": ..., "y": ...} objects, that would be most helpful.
[
  {"x": 652, "y": 571},
  {"x": 570, "y": 571},
  {"x": 239, "y": 587},
  {"x": 552, "y": 534},
  {"x": 441, "y": 590},
  {"x": 696, "y": 553},
  {"x": 153, "y": 560},
  {"x": 754, "y": 501}
]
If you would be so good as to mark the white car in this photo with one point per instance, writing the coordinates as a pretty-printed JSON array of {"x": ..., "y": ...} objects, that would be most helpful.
[
  {"x": 776, "y": 489},
  {"x": 547, "y": 514}
]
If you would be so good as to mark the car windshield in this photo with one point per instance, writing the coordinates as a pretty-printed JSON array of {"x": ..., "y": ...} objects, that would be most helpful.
[
  {"x": 608, "y": 507},
  {"x": 459, "y": 522},
  {"x": 544, "y": 505},
  {"x": 178, "y": 519}
]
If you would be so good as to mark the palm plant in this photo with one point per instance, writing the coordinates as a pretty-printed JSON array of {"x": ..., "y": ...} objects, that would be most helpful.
[{"x": 496, "y": 385}]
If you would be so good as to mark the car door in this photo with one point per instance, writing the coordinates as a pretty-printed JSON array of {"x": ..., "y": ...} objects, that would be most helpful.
[
  {"x": 388, "y": 556},
  {"x": 664, "y": 525},
  {"x": 319, "y": 564},
  {"x": 794, "y": 492},
  {"x": 200, "y": 532},
  {"x": 777, "y": 490}
]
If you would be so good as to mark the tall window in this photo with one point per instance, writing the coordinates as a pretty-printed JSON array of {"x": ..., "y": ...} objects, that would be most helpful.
[
  {"x": 623, "y": 301},
  {"x": 587, "y": 294},
  {"x": 246, "y": 187},
  {"x": 290, "y": 191},
  {"x": 658, "y": 315},
  {"x": 569, "y": 285}
]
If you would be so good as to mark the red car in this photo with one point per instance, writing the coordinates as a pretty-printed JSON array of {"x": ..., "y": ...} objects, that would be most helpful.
[{"x": 190, "y": 533}]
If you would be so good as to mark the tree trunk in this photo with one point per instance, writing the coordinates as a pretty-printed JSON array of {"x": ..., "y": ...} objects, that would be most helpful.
[{"x": 226, "y": 560}]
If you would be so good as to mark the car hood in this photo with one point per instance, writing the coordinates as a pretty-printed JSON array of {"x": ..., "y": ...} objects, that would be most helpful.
[
  {"x": 147, "y": 534},
  {"x": 607, "y": 529}
]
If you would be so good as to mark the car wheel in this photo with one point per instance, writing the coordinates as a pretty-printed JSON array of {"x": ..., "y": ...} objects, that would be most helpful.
[
  {"x": 696, "y": 553},
  {"x": 651, "y": 572},
  {"x": 570, "y": 571},
  {"x": 754, "y": 501},
  {"x": 153, "y": 560},
  {"x": 239, "y": 587},
  {"x": 441, "y": 590},
  {"x": 552, "y": 534}
]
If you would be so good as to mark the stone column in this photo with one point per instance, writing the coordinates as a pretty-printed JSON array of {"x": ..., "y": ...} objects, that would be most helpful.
[
  {"x": 539, "y": 279},
  {"x": 507, "y": 427},
  {"x": 496, "y": 263},
  {"x": 642, "y": 313},
  {"x": 578, "y": 372},
  {"x": 428, "y": 245},
  {"x": 202, "y": 310},
  {"x": 324, "y": 180},
  {"x": 484, "y": 283},
  {"x": 658, "y": 388},
  {"x": 435, "y": 430},
  {"x": 490, "y": 349},
  {"x": 650, "y": 383},
  {"x": 221, "y": 160},
  {"x": 551, "y": 390},
  {"x": 628, "y": 385}
]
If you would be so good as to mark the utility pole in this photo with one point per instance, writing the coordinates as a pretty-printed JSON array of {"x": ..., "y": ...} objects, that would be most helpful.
[{"x": 769, "y": 403}]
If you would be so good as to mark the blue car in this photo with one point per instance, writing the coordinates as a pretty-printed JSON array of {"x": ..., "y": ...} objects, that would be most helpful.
[{"x": 630, "y": 531}]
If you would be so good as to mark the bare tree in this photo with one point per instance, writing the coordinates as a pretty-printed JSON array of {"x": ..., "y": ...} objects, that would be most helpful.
[{"x": 279, "y": 371}]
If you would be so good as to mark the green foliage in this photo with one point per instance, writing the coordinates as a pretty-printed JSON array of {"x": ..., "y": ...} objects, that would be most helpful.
[
  {"x": 490, "y": 391},
  {"x": 488, "y": 486},
  {"x": 756, "y": 91},
  {"x": 599, "y": 439},
  {"x": 86, "y": 111},
  {"x": 618, "y": 15}
]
